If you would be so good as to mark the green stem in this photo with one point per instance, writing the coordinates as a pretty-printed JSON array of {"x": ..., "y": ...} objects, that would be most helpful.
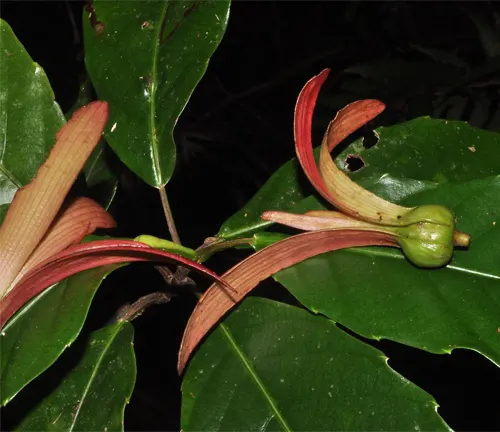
[{"x": 168, "y": 216}]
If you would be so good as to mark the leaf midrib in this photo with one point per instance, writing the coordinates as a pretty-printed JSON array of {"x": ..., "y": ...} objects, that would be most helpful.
[
  {"x": 387, "y": 253},
  {"x": 253, "y": 374},
  {"x": 96, "y": 367},
  {"x": 152, "y": 106}
]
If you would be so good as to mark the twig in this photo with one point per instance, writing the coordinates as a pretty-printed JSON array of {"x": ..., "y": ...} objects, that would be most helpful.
[
  {"x": 168, "y": 216},
  {"x": 130, "y": 312},
  {"x": 178, "y": 278}
]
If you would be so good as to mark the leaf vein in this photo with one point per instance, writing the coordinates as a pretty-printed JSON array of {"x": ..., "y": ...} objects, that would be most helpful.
[
  {"x": 253, "y": 374},
  {"x": 152, "y": 109},
  {"x": 93, "y": 375}
]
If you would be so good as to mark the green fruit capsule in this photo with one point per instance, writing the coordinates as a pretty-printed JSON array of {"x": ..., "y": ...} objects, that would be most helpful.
[{"x": 426, "y": 235}]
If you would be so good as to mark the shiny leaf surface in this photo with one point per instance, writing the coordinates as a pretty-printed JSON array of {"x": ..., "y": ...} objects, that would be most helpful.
[
  {"x": 107, "y": 367},
  {"x": 145, "y": 59},
  {"x": 270, "y": 366},
  {"x": 408, "y": 158},
  {"x": 37, "y": 335},
  {"x": 29, "y": 116},
  {"x": 246, "y": 275},
  {"x": 379, "y": 294},
  {"x": 375, "y": 291}
]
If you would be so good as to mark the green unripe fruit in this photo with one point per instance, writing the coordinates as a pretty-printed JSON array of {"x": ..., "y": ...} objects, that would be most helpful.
[
  {"x": 426, "y": 235},
  {"x": 429, "y": 213}
]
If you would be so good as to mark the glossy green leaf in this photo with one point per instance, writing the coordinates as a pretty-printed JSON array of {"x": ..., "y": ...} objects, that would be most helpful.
[
  {"x": 145, "y": 59},
  {"x": 37, "y": 335},
  {"x": 379, "y": 294},
  {"x": 409, "y": 157},
  {"x": 376, "y": 292},
  {"x": 271, "y": 366},
  {"x": 29, "y": 116},
  {"x": 283, "y": 191},
  {"x": 43, "y": 329},
  {"x": 426, "y": 149},
  {"x": 93, "y": 395}
]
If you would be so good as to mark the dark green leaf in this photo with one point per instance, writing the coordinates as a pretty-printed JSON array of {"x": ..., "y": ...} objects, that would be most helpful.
[
  {"x": 379, "y": 294},
  {"x": 271, "y": 366},
  {"x": 29, "y": 116},
  {"x": 145, "y": 59},
  {"x": 37, "y": 335},
  {"x": 409, "y": 157},
  {"x": 376, "y": 292},
  {"x": 93, "y": 395},
  {"x": 281, "y": 192},
  {"x": 426, "y": 149}
]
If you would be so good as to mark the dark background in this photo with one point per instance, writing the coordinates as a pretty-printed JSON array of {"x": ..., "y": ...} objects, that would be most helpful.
[{"x": 236, "y": 130}]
